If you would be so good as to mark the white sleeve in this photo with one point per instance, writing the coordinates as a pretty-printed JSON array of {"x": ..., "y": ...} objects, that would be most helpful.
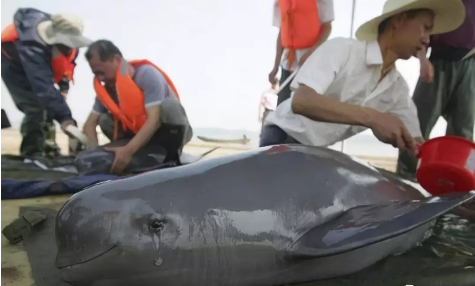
[
  {"x": 325, "y": 11},
  {"x": 406, "y": 110},
  {"x": 276, "y": 14},
  {"x": 321, "y": 68}
]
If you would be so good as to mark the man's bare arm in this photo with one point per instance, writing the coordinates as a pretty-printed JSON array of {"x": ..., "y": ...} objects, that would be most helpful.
[
  {"x": 427, "y": 69},
  {"x": 148, "y": 129},
  {"x": 386, "y": 127},
  {"x": 317, "y": 107},
  {"x": 278, "y": 57},
  {"x": 279, "y": 52}
]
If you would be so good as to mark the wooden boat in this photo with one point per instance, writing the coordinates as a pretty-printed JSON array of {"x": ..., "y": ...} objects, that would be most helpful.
[{"x": 243, "y": 140}]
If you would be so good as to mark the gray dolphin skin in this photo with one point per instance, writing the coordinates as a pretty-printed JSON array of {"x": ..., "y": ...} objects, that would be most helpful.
[{"x": 271, "y": 216}]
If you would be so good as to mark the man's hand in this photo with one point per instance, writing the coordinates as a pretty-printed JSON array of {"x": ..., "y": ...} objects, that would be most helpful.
[
  {"x": 66, "y": 123},
  {"x": 418, "y": 141},
  {"x": 427, "y": 70},
  {"x": 272, "y": 76},
  {"x": 390, "y": 129},
  {"x": 123, "y": 156}
]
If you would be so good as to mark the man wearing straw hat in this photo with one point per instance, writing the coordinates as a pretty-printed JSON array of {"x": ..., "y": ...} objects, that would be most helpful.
[
  {"x": 347, "y": 86},
  {"x": 39, "y": 51},
  {"x": 446, "y": 86}
]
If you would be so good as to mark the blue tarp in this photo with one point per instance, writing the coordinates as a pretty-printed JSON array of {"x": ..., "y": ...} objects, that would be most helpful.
[{"x": 20, "y": 189}]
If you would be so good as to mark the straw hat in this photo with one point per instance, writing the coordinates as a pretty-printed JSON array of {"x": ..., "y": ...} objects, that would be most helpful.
[
  {"x": 449, "y": 15},
  {"x": 63, "y": 29}
]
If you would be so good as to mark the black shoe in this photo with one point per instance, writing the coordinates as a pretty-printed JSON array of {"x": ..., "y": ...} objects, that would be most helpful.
[
  {"x": 52, "y": 153},
  {"x": 39, "y": 160}
]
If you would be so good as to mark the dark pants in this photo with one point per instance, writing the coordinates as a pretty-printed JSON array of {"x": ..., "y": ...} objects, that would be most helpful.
[
  {"x": 285, "y": 92},
  {"x": 264, "y": 116},
  {"x": 169, "y": 139},
  {"x": 51, "y": 148},
  {"x": 452, "y": 95},
  {"x": 34, "y": 125},
  {"x": 274, "y": 135}
]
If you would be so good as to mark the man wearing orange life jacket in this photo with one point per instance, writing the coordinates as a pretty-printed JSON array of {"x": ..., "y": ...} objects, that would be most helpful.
[
  {"x": 39, "y": 51},
  {"x": 304, "y": 26},
  {"x": 137, "y": 107}
]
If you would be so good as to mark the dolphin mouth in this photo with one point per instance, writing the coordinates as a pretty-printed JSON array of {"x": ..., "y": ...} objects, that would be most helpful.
[{"x": 63, "y": 261}]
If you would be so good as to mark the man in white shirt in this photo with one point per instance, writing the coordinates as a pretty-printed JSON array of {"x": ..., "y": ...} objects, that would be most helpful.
[
  {"x": 347, "y": 86},
  {"x": 325, "y": 17}
]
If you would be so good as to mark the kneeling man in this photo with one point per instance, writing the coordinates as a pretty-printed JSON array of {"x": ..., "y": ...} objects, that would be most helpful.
[
  {"x": 347, "y": 85},
  {"x": 136, "y": 102}
]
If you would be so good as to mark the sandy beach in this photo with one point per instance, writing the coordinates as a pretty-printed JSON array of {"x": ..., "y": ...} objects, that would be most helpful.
[{"x": 11, "y": 140}]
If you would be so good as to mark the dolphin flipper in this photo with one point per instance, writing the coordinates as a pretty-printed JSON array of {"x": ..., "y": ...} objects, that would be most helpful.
[{"x": 364, "y": 225}]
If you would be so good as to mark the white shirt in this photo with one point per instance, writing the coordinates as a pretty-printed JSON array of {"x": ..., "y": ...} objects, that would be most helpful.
[
  {"x": 347, "y": 70},
  {"x": 325, "y": 14}
]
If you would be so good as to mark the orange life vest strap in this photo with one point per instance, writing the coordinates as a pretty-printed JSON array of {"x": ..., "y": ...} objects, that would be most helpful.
[
  {"x": 113, "y": 108},
  {"x": 69, "y": 73},
  {"x": 291, "y": 56},
  {"x": 117, "y": 112},
  {"x": 167, "y": 78},
  {"x": 130, "y": 109},
  {"x": 9, "y": 34}
]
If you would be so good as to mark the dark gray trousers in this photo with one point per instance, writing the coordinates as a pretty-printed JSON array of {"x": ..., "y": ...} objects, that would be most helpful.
[
  {"x": 37, "y": 128},
  {"x": 274, "y": 135},
  {"x": 285, "y": 93},
  {"x": 172, "y": 135},
  {"x": 452, "y": 95}
]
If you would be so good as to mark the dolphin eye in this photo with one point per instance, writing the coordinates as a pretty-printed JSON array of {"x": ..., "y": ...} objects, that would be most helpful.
[{"x": 157, "y": 225}]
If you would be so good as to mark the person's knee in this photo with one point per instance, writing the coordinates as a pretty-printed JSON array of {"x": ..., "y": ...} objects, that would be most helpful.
[
  {"x": 107, "y": 124},
  {"x": 172, "y": 112},
  {"x": 34, "y": 116},
  {"x": 272, "y": 135},
  {"x": 104, "y": 119}
]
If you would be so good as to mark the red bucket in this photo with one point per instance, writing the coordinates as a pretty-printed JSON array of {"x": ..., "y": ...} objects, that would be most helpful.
[{"x": 447, "y": 164}]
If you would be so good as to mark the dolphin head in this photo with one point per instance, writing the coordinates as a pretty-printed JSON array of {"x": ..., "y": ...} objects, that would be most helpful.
[{"x": 100, "y": 236}]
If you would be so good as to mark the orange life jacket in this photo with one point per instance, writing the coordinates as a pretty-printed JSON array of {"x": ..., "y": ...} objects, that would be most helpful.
[
  {"x": 300, "y": 25},
  {"x": 131, "y": 109},
  {"x": 61, "y": 65}
]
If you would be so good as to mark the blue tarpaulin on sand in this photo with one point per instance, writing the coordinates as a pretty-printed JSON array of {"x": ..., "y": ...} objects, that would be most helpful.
[{"x": 20, "y": 189}]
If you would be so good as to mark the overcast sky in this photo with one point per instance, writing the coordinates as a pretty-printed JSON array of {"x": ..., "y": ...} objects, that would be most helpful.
[{"x": 217, "y": 52}]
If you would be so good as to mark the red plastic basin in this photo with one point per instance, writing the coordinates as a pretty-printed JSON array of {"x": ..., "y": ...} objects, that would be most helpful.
[{"x": 447, "y": 164}]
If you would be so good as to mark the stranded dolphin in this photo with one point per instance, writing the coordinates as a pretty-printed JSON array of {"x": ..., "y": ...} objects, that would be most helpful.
[{"x": 270, "y": 216}]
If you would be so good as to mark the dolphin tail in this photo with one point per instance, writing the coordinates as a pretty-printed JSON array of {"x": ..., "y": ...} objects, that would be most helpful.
[{"x": 365, "y": 225}]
